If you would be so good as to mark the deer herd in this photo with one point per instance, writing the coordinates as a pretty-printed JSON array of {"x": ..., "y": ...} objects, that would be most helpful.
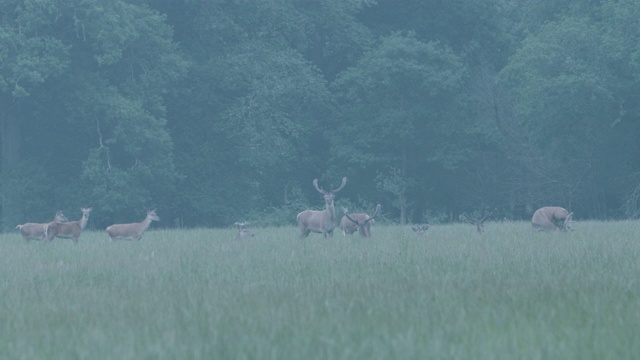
[
  {"x": 317, "y": 221},
  {"x": 324, "y": 221},
  {"x": 61, "y": 227}
]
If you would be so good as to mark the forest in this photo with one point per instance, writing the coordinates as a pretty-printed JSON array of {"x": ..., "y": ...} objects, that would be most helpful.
[{"x": 217, "y": 111}]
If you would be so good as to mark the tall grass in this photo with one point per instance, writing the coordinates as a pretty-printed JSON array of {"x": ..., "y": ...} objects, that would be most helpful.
[{"x": 452, "y": 294}]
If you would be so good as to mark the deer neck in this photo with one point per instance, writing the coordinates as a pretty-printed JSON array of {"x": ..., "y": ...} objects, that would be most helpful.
[
  {"x": 146, "y": 223},
  {"x": 331, "y": 210},
  {"x": 83, "y": 221}
]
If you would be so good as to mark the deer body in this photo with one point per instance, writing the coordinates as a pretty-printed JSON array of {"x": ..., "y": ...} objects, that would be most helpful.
[
  {"x": 243, "y": 232},
  {"x": 362, "y": 221},
  {"x": 132, "y": 231},
  {"x": 320, "y": 221},
  {"x": 71, "y": 229},
  {"x": 39, "y": 231},
  {"x": 551, "y": 218}
]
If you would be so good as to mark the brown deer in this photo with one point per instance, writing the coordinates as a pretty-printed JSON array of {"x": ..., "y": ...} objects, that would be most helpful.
[
  {"x": 71, "y": 229},
  {"x": 361, "y": 221},
  {"x": 132, "y": 231},
  {"x": 420, "y": 229},
  {"x": 39, "y": 231},
  {"x": 243, "y": 232},
  {"x": 320, "y": 221},
  {"x": 479, "y": 223},
  {"x": 551, "y": 218}
]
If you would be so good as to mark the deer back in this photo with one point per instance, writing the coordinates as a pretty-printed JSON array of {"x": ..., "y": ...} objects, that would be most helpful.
[
  {"x": 132, "y": 230},
  {"x": 548, "y": 217},
  {"x": 32, "y": 230}
]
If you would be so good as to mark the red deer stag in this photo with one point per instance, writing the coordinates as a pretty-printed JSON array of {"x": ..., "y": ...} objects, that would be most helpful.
[
  {"x": 71, "y": 229},
  {"x": 361, "y": 221},
  {"x": 551, "y": 218},
  {"x": 320, "y": 221},
  {"x": 39, "y": 231},
  {"x": 132, "y": 231},
  {"x": 420, "y": 229},
  {"x": 349, "y": 227},
  {"x": 479, "y": 223},
  {"x": 243, "y": 232}
]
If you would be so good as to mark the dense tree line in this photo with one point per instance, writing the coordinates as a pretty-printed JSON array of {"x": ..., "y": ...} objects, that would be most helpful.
[{"x": 219, "y": 111}]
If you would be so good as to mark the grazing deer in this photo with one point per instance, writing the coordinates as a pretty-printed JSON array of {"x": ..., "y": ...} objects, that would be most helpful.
[
  {"x": 71, "y": 229},
  {"x": 243, "y": 233},
  {"x": 361, "y": 221},
  {"x": 39, "y": 231},
  {"x": 551, "y": 218},
  {"x": 349, "y": 227},
  {"x": 420, "y": 229},
  {"x": 132, "y": 231},
  {"x": 479, "y": 223},
  {"x": 320, "y": 221}
]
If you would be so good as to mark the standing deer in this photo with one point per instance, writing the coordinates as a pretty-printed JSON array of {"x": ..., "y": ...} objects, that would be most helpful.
[
  {"x": 361, "y": 221},
  {"x": 320, "y": 221},
  {"x": 551, "y": 218},
  {"x": 39, "y": 231},
  {"x": 132, "y": 231},
  {"x": 420, "y": 229},
  {"x": 71, "y": 229},
  {"x": 479, "y": 223},
  {"x": 243, "y": 233}
]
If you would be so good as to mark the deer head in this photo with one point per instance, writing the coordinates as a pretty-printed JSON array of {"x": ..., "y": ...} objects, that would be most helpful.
[
  {"x": 479, "y": 223},
  {"x": 420, "y": 229},
  {"x": 243, "y": 233},
  {"x": 328, "y": 196},
  {"x": 362, "y": 221}
]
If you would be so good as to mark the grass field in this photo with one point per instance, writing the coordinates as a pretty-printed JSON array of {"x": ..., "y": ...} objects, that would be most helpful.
[{"x": 452, "y": 294}]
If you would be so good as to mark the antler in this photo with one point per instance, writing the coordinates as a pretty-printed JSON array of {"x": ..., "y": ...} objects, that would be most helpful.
[
  {"x": 565, "y": 225},
  {"x": 477, "y": 222},
  {"x": 363, "y": 223},
  {"x": 375, "y": 213},
  {"x": 344, "y": 182},
  {"x": 322, "y": 191},
  {"x": 420, "y": 229}
]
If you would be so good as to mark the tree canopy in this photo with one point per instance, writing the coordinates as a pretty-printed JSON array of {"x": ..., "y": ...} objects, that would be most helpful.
[{"x": 220, "y": 111}]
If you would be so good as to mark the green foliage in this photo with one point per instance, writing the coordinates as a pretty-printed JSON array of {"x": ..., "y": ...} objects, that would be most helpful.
[
  {"x": 29, "y": 54},
  {"x": 398, "y": 104},
  {"x": 570, "y": 96},
  {"x": 394, "y": 97},
  {"x": 218, "y": 111}
]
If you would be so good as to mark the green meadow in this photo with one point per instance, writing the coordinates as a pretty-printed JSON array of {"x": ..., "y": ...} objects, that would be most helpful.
[{"x": 509, "y": 293}]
